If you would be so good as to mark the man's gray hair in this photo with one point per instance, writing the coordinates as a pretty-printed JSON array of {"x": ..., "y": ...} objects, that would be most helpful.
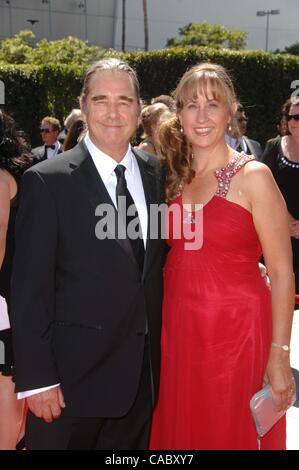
[{"x": 110, "y": 65}]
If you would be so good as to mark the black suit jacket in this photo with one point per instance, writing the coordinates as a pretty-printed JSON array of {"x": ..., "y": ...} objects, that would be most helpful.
[
  {"x": 253, "y": 147},
  {"x": 80, "y": 306}
]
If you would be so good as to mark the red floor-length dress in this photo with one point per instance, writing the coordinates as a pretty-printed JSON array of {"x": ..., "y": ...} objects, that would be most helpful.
[{"x": 216, "y": 333}]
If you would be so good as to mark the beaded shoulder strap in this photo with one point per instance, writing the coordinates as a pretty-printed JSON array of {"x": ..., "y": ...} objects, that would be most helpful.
[{"x": 225, "y": 174}]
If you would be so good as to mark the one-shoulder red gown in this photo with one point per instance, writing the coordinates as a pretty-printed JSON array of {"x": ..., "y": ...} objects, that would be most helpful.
[{"x": 216, "y": 333}]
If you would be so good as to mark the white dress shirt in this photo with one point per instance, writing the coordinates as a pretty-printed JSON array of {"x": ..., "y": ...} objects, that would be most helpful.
[
  {"x": 106, "y": 166},
  {"x": 4, "y": 319},
  {"x": 234, "y": 143},
  {"x": 52, "y": 152}
]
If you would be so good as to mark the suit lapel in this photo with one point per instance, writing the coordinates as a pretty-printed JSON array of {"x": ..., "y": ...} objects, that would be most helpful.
[
  {"x": 87, "y": 176},
  {"x": 43, "y": 153},
  {"x": 149, "y": 182},
  {"x": 249, "y": 149}
]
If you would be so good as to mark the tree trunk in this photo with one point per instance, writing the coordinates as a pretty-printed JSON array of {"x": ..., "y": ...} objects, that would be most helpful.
[
  {"x": 145, "y": 17},
  {"x": 123, "y": 38}
]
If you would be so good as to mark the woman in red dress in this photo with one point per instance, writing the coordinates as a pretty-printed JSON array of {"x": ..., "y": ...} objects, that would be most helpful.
[{"x": 224, "y": 333}]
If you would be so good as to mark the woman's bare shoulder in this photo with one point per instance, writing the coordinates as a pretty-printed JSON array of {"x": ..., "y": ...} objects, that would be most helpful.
[
  {"x": 259, "y": 182},
  {"x": 255, "y": 171},
  {"x": 7, "y": 183}
]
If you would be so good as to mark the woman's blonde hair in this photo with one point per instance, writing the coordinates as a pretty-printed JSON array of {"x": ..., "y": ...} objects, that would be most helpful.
[{"x": 174, "y": 149}]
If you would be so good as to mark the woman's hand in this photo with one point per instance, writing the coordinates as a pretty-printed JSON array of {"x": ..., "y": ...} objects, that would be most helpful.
[{"x": 279, "y": 376}]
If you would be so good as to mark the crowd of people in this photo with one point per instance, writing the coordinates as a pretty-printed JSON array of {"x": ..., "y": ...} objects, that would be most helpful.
[{"x": 118, "y": 339}]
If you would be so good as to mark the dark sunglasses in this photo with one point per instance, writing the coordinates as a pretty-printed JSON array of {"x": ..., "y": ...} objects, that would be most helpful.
[
  {"x": 292, "y": 116},
  {"x": 45, "y": 130}
]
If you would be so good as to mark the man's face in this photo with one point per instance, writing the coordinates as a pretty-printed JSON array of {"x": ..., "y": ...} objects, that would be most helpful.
[
  {"x": 48, "y": 134},
  {"x": 111, "y": 111},
  {"x": 242, "y": 121}
]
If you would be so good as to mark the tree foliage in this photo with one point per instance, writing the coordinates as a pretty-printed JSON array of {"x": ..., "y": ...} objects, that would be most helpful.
[
  {"x": 292, "y": 49},
  {"x": 215, "y": 36},
  {"x": 262, "y": 80},
  {"x": 21, "y": 50},
  {"x": 17, "y": 50}
]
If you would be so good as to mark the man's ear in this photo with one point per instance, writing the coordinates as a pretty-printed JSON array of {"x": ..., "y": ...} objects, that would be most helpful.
[{"x": 83, "y": 108}]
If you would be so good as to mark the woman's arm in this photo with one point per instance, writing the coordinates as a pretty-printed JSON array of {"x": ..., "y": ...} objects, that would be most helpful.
[
  {"x": 4, "y": 214},
  {"x": 270, "y": 218}
]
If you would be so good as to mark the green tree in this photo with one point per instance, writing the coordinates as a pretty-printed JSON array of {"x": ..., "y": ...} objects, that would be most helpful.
[
  {"x": 65, "y": 51},
  {"x": 211, "y": 35},
  {"x": 19, "y": 50},
  {"x": 292, "y": 49}
]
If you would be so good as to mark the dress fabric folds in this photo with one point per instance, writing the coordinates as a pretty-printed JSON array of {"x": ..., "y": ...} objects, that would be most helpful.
[{"x": 216, "y": 335}]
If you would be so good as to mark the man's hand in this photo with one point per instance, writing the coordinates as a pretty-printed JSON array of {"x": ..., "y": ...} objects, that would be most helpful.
[
  {"x": 263, "y": 272},
  {"x": 47, "y": 405},
  {"x": 294, "y": 229}
]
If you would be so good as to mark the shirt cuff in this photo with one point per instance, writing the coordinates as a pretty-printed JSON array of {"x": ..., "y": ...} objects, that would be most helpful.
[{"x": 30, "y": 393}]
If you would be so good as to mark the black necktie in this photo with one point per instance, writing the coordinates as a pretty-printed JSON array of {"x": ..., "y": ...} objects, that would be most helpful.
[{"x": 122, "y": 190}]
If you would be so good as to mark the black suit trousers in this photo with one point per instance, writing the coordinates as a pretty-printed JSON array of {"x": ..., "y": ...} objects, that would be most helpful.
[{"x": 130, "y": 432}]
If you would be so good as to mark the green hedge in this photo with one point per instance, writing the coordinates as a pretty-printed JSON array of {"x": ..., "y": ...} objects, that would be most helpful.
[
  {"x": 32, "y": 92},
  {"x": 262, "y": 82}
]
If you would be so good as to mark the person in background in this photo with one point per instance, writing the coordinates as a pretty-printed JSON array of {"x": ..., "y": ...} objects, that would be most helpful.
[
  {"x": 74, "y": 115},
  {"x": 165, "y": 99},
  {"x": 74, "y": 135},
  {"x": 281, "y": 155},
  {"x": 224, "y": 334},
  {"x": 236, "y": 138},
  {"x": 150, "y": 116},
  {"x": 244, "y": 144},
  {"x": 49, "y": 130},
  {"x": 14, "y": 159}
]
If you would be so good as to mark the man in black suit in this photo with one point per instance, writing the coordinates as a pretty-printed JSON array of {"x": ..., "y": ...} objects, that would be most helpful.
[
  {"x": 86, "y": 308},
  {"x": 249, "y": 146},
  {"x": 49, "y": 131}
]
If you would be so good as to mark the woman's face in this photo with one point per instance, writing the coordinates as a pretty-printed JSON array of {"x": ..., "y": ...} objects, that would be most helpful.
[
  {"x": 204, "y": 120},
  {"x": 293, "y": 125}
]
